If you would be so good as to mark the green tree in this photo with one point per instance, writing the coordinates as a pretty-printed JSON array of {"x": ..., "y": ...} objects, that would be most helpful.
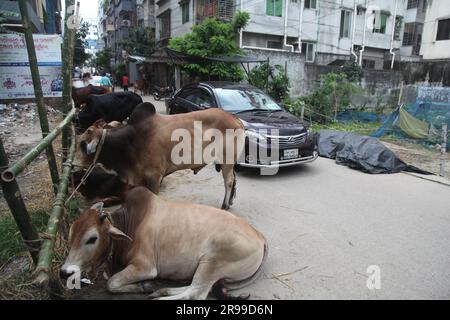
[
  {"x": 80, "y": 43},
  {"x": 213, "y": 38},
  {"x": 102, "y": 60},
  {"x": 353, "y": 71},
  {"x": 274, "y": 78},
  {"x": 141, "y": 41}
]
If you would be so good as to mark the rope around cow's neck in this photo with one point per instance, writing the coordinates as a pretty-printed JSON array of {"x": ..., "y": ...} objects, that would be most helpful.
[{"x": 91, "y": 167}]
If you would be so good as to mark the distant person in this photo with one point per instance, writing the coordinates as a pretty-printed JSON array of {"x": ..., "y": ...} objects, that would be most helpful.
[
  {"x": 125, "y": 83},
  {"x": 106, "y": 83},
  {"x": 87, "y": 78}
]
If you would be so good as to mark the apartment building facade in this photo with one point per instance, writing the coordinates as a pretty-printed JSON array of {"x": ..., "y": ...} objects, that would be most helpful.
[
  {"x": 45, "y": 15},
  {"x": 325, "y": 31},
  {"x": 116, "y": 17},
  {"x": 435, "y": 44}
]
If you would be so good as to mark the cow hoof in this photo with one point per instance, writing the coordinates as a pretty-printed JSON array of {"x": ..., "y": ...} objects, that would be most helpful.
[
  {"x": 148, "y": 287},
  {"x": 225, "y": 206}
]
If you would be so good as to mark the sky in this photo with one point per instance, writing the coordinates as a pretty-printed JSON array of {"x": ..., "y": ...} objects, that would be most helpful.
[{"x": 89, "y": 10}]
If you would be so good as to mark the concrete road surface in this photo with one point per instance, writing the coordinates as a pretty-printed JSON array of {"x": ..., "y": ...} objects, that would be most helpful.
[{"x": 327, "y": 224}]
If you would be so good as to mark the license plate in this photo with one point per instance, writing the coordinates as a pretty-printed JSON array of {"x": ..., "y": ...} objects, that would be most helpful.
[{"x": 290, "y": 153}]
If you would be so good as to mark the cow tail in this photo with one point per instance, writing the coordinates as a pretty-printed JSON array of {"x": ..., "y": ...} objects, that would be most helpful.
[{"x": 243, "y": 283}]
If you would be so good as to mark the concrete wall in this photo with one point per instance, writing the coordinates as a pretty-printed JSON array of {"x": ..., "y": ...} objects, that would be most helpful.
[
  {"x": 305, "y": 77},
  {"x": 432, "y": 49}
]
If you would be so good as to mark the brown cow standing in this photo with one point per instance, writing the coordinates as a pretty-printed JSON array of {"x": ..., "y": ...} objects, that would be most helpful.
[
  {"x": 141, "y": 151},
  {"x": 79, "y": 95},
  {"x": 150, "y": 238}
]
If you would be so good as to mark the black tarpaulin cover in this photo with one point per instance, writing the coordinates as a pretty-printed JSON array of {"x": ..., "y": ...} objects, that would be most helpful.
[{"x": 363, "y": 153}]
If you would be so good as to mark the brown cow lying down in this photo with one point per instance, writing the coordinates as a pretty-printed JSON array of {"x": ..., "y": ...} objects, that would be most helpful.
[
  {"x": 151, "y": 238},
  {"x": 141, "y": 151}
]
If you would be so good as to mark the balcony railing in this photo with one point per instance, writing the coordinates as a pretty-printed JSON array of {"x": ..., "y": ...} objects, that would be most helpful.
[{"x": 220, "y": 9}]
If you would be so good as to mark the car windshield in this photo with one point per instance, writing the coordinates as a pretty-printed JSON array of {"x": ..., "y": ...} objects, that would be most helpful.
[{"x": 238, "y": 100}]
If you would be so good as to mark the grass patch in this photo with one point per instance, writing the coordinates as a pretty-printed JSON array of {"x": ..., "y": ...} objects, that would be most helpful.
[
  {"x": 363, "y": 128},
  {"x": 10, "y": 239},
  {"x": 11, "y": 243}
]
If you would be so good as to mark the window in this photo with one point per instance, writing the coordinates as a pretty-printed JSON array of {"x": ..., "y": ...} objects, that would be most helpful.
[
  {"x": 184, "y": 11},
  {"x": 398, "y": 27},
  {"x": 274, "y": 7},
  {"x": 368, "y": 64},
  {"x": 308, "y": 50},
  {"x": 274, "y": 44},
  {"x": 360, "y": 10},
  {"x": 164, "y": 19},
  {"x": 443, "y": 31},
  {"x": 408, "y": 34},
  {"x": 412, "y": 4},
  {"x": 293, "y": 1},
  {"x": 379, "y": 23},
  {"x": 345, "y": 24},
  {"x": 310, "y": 4},
  {"x": 199, "y": 97}
]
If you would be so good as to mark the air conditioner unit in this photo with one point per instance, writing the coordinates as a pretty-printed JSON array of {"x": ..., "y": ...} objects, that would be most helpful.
[{"x": 126, "y": 23}]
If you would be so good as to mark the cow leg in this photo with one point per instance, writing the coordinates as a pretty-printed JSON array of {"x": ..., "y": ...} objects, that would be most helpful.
[
  {"x": 163, "y": 292},
  {"x": 127, "y": 280},
  {"x": 207, "y": 274},
  {"x": 229, "y": 180}
]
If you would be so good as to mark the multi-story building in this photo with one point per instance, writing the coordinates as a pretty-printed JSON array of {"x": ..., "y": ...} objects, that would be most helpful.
[
  {"x": 116, "y": 18},
  {"x": 325, "y": 31},
  {"x": 44, "y": 15},
  {"x": 435, "y": 43},
  {"x": 145, "y": 10},
  {"x": 413, "y": 28},
  {"x": 92, "y": 39}
]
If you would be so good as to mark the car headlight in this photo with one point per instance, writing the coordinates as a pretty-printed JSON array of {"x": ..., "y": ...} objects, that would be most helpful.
[
  {"x": 255, "y": 136},
  {"x": 309, "y": 131}
]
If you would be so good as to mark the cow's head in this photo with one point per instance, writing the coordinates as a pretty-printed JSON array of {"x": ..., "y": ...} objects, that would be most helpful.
[
  {"x": 90, "y": 139},
  {"x": 90, "y": 240}
]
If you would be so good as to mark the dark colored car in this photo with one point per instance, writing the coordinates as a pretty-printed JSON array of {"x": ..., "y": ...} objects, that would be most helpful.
[{"x": 280, "y": 138}]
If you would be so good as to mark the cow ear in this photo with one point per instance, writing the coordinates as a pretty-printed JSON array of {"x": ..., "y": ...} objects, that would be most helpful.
[
  {"x": 98, "y": 206},
  {"x": 116, "y": 234}
]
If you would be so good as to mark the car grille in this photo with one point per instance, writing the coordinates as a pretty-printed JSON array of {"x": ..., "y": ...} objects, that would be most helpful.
[{"x": 287, "y": 141}]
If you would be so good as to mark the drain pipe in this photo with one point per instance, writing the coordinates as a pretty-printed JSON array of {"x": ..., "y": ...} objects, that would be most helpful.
[
  {"x": 286, "y": 11},
  {"x": 352, "y": 51},
  {"x": 300, "y": 27},
  {"x": 363, "y": 45},
  {"x": 241, "y": 31},
  {"x": 391, "y": 51}
]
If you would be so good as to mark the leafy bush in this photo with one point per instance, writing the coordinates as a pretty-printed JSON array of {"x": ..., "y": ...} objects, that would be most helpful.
[
  {"x": 273, "y": 78},
  {"x": 333, "y": 96}
]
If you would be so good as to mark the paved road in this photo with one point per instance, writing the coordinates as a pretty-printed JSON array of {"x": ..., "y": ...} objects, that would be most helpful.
[{"x": 326, "y": 224}]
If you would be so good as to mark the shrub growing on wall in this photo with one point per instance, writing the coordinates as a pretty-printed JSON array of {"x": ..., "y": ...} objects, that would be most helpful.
[
  {"x": 272, "y": 78},
  {"x": 333, "y": 96}
]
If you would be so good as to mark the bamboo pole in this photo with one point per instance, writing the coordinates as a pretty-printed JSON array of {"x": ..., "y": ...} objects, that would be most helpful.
[
  {"x": 67, "y": 57},
  {"x": 42, "y": 110},
  {"x": 13, "y": 170},
  {"x": 18, "y": 209},
  {"x": 48, "y": 245}
]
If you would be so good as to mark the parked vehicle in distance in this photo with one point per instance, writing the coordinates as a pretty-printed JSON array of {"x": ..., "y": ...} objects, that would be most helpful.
[
  {"x": 162, "y": 92},
  {"x": 265, "y": 121}
]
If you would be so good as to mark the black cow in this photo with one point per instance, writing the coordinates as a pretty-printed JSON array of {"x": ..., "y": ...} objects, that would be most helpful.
[
  {"x": 110, "y": 107},
  {"x": 101, "y": 185}
]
